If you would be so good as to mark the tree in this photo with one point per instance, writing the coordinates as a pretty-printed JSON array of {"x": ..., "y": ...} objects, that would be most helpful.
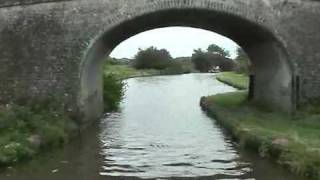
[
  {"x": 215, "y": 49},
  {"x": 243, "y": 61},
  {"x": 205, "y": 61},
  {"x": 152, "y": 58},
  {"x": 201, "y": 60}
]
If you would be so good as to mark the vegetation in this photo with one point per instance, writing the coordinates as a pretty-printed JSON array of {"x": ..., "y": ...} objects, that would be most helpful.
[
  {"x": 125, "y": 71},
  {"x": 113, "y": 91},
  {"x": 186, "y": 63},
  {"x": 113, "y": 87},
  {"x": 114, "y": 61},
  {"x": 201, "y": 60},
  {"x": 177, "y": 67},
  {"x": 239, "y": 81},
  {"x": 116, "y": 70},
  {"x": 30, "y": 128},
  {"x": 26, "y": 130},
  {"x": 215, "y": 49},
  {"x": 213, "y": 57},
  {"x": 243, "y": 60},
  {"x": 152, "y": 58},
  {"x": 292, "y": 141}
]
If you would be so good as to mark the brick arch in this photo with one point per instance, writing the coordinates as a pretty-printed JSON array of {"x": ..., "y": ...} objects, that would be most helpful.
[{"x": 238, "y": 21}]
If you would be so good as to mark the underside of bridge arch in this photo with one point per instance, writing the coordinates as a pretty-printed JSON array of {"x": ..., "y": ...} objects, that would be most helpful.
[{"x": 272, "y": 71}]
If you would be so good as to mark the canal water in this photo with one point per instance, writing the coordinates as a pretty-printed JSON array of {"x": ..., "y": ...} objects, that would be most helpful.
[{"x": 160, "y": 133}]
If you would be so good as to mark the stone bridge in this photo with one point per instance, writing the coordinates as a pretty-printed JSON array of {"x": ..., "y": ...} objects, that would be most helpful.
[{"x": 55, "y": 48}]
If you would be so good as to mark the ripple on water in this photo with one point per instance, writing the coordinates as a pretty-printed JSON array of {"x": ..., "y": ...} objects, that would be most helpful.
[{"x": 161, "y": 133}]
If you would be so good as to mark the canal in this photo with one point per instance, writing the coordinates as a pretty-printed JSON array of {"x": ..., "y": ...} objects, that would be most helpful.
[{"x": 160, "y": 133}]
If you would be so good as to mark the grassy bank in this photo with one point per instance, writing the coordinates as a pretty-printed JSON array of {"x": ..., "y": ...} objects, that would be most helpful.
[
  {"x": 291, "y": 141},
  {"x": 239, "y": 81},
  {"x": 125, "y": 71},
  {"x": 28, "y": 130},
  {"x": 31, "y": 128}
]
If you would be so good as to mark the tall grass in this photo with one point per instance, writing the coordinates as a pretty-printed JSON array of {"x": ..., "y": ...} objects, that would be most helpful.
[{"x": 113, "y": 91}]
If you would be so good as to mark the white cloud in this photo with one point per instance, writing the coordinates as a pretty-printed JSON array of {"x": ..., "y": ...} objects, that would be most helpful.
[{"x": 179, "y": 41}]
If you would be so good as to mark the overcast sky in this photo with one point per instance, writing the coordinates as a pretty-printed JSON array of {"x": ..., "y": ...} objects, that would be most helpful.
[{"x": 179, "y": 41}]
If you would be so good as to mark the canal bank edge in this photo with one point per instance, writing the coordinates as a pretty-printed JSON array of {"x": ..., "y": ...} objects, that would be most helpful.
[
  {"x": 249, "y": 127},
  {"x": 236, "y": 80},
  {"x": 30, "y": 129},
  {"x": 123, "y": 72}
]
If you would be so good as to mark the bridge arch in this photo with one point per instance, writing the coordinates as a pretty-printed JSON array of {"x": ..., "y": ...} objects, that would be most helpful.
[{"x": 272, "y": 68}]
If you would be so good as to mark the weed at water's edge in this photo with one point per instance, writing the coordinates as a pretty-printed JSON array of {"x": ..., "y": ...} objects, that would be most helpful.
[
  {"x": 26, "y": 130},
  {"x": 113, "y": 92}
]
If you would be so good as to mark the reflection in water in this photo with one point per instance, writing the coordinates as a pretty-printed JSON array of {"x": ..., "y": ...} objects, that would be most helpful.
[{"x": 160, "y": 132}]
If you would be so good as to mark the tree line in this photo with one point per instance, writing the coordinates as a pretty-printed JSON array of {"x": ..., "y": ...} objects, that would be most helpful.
[{"x": 214, "y": 57}]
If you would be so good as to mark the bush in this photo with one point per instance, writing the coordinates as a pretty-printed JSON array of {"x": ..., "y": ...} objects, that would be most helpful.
[
  {"x": 27, "y": 129},
  {"x": 243, "y": 60},
  {"x": 204, "y": 61},
  {"x": 201, "y": 60},
  {"x": 113, "y": 91},
  {"x": 175, "y": 68},
  {"x": 152, "y": 58}
]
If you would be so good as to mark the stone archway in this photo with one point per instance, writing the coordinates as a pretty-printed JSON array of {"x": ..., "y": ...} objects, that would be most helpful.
[
  {"x": 53, "y": 48},
  {"x": 272, "y": 69}
]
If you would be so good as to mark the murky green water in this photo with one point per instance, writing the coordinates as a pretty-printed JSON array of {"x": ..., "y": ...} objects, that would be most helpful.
[{"x": 161, "y": 132}]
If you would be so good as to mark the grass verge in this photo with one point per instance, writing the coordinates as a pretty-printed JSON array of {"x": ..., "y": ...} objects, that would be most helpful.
[
  {"x": 125, "y": 71},
  {"x": 291, "y": 141},
  {"x": 236, "y": 80}
]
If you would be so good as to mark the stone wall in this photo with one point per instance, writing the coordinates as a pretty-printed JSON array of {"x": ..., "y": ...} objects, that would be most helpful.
[{"x": 10, "y": 3}]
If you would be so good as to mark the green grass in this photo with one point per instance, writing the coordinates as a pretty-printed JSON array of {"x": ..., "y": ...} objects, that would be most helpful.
[
  {"x": 125, "y": 71},
  {"x": 239, "y": 81},
  {"x": 262, "y": 131},
  {"x": 27, "y": 130},
  {"x": 230, "y": 99}
]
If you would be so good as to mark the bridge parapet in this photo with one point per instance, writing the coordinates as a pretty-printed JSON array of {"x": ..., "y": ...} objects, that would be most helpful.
[{"x": 10, "y": 3}]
